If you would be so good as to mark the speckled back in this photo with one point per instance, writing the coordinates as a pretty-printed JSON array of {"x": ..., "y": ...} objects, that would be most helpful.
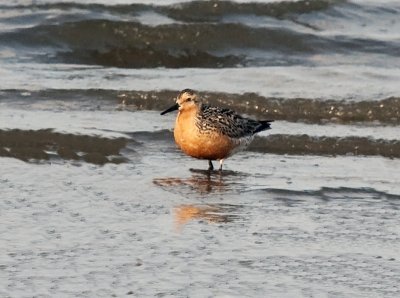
[{"x": 225, "y": 121}]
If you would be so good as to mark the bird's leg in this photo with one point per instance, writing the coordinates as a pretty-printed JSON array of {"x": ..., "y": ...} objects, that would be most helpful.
[
  {"x": 210, "y": 165},
  {"x": 221, "y": 161}
]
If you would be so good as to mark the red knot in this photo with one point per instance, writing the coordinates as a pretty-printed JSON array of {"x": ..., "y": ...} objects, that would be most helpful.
[{"x": 211, "y": 133}]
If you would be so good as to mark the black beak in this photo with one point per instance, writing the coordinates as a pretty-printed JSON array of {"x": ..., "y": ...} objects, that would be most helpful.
[{"x": 173, "y": 108}]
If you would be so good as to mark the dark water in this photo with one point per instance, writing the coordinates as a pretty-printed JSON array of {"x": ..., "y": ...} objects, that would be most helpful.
[
  {"x": 97, "y": 201},
  {"x": 201, "y": 33}
]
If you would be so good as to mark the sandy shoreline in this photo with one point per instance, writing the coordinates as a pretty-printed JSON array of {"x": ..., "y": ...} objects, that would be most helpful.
[
  {"x": 97, "y": 201},
  {"x": 295, "y": 225},
  {"x": 152, "y": 227}
]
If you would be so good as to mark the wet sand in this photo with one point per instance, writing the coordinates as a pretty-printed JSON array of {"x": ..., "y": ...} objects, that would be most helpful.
[
  {"x": 155, "y": 228},
  {"x": 158, "y": 224}
]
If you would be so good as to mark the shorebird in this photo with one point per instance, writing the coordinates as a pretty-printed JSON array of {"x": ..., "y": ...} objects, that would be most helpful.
[{"x": 211, "y": 133}]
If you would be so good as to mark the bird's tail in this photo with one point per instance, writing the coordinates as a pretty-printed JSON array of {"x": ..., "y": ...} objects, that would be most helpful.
[{"x": 264, "y": 125}]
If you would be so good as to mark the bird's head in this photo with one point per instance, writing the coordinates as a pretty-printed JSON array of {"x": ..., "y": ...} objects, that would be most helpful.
[{"x": 186, "y": 99}]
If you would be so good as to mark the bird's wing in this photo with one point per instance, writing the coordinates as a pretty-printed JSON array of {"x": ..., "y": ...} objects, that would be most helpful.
[{"x": 226, "y": 121}]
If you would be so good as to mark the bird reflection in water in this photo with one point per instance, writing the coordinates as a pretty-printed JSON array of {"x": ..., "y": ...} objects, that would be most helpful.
[
  {"x": 213, "y": 213},
  {"x": 203, "y": 182}
]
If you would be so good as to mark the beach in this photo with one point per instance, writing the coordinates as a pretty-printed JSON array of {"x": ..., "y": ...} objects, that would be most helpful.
[{"x": 98, "y": 201}]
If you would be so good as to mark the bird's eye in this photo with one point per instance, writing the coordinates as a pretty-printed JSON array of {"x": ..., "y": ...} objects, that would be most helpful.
[{"x": 189, "y": 99}]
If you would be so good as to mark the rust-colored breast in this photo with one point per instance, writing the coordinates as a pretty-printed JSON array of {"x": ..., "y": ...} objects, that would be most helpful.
[{"x": 211, "y": 146}]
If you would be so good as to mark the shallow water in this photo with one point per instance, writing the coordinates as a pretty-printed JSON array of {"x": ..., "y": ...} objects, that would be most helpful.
[
  {"x": 97, "y": 201},
  {"x": 151, "y": 226}
]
